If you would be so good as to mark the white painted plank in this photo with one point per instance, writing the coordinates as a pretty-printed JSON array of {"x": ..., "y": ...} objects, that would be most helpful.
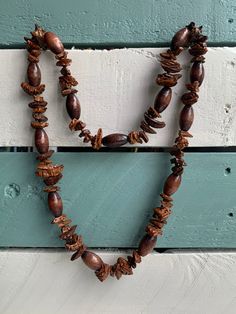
[
  {"x": 115, "y": 89},
  {"x": 36, "y": 282}
]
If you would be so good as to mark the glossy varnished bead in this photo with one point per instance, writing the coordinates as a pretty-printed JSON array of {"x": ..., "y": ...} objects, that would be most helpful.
[
  {"x": 53, "y": 43},
  {"x": 186, "y": 118},
  {"x": 163, "y": 99},
  {"x": 181, "y": 38},
  {"x": 92, "y": 260},
  {"x": 197, "y": 72},
  {"x": 34, "y": 74},
  {"x": 146, "y": 245},
  {"x": 73, "y": 106},
  {"x": 41, "y": 141},
  {"x": 172, "y": 183},
  {"x": 55, "y": 203},
  {"x": 115, "y": 140}
]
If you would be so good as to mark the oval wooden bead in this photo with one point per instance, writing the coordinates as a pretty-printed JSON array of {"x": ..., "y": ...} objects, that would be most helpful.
[
  {"x": 73, "y": 106},
  {"x": 197, "y": 72},
  {"x": 53, "y": 43},
  {"x": 146, "y": 245},
  {"x": 171, "y": 185},
  {"x": 115, "y": 140},
  {"x": 186, "y": 118},
  {"x": 34, "y": 74},
  {"x": 55, "y": 203},
  {"x": 92, "y": 260},
  {"x": 180, "y": 39},
  {"x": 163, "y": 99},
  {"x": 41, "y": 141}
]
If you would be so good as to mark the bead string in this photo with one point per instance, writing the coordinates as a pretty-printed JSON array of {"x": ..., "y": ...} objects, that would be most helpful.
[{"x": 188, "y": 37}]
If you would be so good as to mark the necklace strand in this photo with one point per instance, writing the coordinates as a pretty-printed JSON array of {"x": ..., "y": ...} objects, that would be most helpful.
[{"x": 188, "y": 37}]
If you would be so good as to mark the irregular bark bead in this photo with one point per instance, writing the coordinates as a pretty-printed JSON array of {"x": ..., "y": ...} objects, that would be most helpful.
[
  {"x": 41, "y": 141},
  {"x": 92, "y": 260},
  {"x": 163, "y": 99},
  {"x": 172, "y": 183},
  {"x": 55, "y": 203},
  {"x": 34, "y": 74},
  {"x": 52, "y": 180},
  {"x": 181, "y": 38},
  {"x": 73, "y": 106},
  {"x": 53, "y": 43},
  {"x": 146, "y": 245},
  {"x": 115, "y": 140},
  {"x": 186, "y": 118},
  {"x": 153, "y": 122},
  {"x": 197, "y": 72}
]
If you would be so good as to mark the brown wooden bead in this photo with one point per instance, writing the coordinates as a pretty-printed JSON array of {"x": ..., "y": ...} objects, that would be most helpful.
[
  {"x": 163, "y": 99},
  {"x": 181, "y": 38},
  {"x": 186, "y": 118},
  {"x": 34, "y": 74},
  {"x": 172, "y": 183},
  {"x": 55, "y": 203},
  {"x": 115, "y": 140},
  {"x": 92, "y": 260},
  {"x": 197, "y": 72},
  {"x": 53, "y": 42},
  {"x": 41, "y": 141},
  {"x": 73, "y": 106},
  {"x": 146, "y": 245}
]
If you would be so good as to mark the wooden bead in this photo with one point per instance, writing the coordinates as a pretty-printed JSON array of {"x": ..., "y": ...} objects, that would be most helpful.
[
  {"x": 197, "y": 72},
  {"x": 163, "y": 99},
  {"x": 55, "y": 203},
  {"x": 92, "y": 260},
  {"x": 41, "y": 141},
  {"x": 34, "y": 74},
  {"x": 172, "y": 183},
  {"x": 186, "y": 118},
  {"x": 115, "y": 140},
  {"x": 53, "y": 43},
  {"x": 181, "y": 38},
  {"x": 73, "y": 106},
  {"x": 146, "y": 245}
]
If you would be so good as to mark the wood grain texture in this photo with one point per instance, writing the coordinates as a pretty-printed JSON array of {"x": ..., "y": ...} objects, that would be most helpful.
[
  {"x": 111, "y": 195},
  {"x": 36, "y": 282},
  {"x": 115, "y": 89},
  {"x": 121, "y": 22}
]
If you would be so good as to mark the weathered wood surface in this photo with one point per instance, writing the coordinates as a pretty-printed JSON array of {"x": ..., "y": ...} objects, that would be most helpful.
[
  {"x": 111, "y": 195},
  {"x": 115, "y": 89},
  {"x": 36, "y": 282},
  {"x": 120, "y": 22}
]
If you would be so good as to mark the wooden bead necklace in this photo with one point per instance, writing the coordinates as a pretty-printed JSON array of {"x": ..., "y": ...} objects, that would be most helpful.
[{"x": 190, "y": 37}]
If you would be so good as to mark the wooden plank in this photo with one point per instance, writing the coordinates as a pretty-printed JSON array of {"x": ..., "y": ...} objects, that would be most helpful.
[
  {"x": 116, "y": 88},
  {"x": 190, "y": 283},
  {"x": 104, "y": 22},
  {"x": 111, "y": 195}
]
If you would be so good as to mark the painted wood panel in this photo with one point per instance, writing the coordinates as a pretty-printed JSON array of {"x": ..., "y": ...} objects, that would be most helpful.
[
  {"x": 122, "y": 22},
  {"x": 36, "y": 282},
  {"x": 116, "y": 88},
  {"x": 111, "y": 195}
]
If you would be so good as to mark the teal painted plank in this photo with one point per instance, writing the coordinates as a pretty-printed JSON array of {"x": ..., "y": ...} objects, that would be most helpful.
[
  {"x": 110, "y": 197},
  {"x": 120, "y": 22}
]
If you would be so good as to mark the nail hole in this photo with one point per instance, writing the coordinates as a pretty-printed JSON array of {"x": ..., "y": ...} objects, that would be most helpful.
[
  {"x": 230, "y": 214},
  {"x": 228, "y": 106},
  {"x": 12, "y": 190},
  {"x": 230, "y": 20},
  {"x": 227, "y": 171}
]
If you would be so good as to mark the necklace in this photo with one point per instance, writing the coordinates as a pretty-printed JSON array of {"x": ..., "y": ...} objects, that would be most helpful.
[{"x": 190, "y": 37}]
